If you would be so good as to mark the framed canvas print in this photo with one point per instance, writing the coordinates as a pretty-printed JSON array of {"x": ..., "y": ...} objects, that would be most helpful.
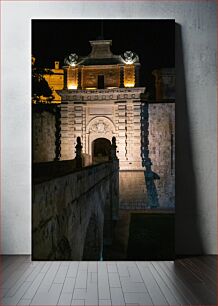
[{"x": 103, "y": 139}]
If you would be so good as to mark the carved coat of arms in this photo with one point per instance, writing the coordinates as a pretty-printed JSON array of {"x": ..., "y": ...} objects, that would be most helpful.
[{"x": 100, "y": 127}]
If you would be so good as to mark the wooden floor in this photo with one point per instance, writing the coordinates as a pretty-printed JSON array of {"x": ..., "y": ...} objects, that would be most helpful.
[{"x": 188, "y": 281}]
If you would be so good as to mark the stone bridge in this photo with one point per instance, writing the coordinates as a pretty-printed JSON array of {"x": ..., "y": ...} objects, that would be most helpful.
[{"x": 73, "y": 213}]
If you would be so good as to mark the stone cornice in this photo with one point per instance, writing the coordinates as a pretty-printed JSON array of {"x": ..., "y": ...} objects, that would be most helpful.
[{"x": 101, "y": 94}]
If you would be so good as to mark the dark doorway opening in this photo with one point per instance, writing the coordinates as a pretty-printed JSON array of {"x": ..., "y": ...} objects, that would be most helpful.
[
  {"x": 100, "y": 150},
  {"x": 101, "y": 81}
]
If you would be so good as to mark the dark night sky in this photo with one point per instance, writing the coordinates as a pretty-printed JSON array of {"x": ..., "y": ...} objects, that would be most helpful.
[{"x": 152, "y": 40}]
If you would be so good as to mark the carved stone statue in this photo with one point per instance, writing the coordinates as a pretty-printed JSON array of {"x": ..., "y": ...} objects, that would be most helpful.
[
  {"x": 78, "y": 152},
  {"x": 71, "y": 60},
  {"x": 130, "y": 57},
  {"x": 113, "y": 149}
]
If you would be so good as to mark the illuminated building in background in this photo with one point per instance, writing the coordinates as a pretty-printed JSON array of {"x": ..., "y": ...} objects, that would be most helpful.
[{"x": 55, "y": 80}]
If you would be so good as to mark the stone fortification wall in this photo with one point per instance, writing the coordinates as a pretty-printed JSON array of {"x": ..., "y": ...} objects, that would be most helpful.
[
  {"x": 162, "y": 150},
  {"x": 67, "y": 211},
  {"x": 44, "y": 132},
  {"x": 133, "y": 192}
]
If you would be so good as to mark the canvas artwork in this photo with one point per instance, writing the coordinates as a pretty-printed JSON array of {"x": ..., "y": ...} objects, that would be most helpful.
[{"x": 103, "y": 139}]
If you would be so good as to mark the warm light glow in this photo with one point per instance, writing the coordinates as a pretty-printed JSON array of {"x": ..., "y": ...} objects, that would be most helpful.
[
  {"x": 129, "y": 75},
  {"x": 72, "y": 78},
  {"x": 91, "y": 88},
  {"x": 129, "y": 85},
  {"x": 56, "y": 82},
  {"x": 129, "y": 62},
  {"x": 72, "y": 86}
]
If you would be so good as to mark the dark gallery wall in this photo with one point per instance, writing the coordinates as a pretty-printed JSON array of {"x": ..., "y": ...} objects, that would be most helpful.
[{"x": 196, "y": 156}]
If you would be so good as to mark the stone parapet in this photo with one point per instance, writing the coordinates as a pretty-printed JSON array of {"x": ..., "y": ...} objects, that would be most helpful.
[{"x": 68, "y": 210}]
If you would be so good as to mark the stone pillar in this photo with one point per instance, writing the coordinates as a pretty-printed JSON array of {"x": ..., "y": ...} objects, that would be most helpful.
[
  {"x": 129, "y": 131},
  {"x": 66, "y": 132},
  {"x": 136, "y": 134},
  {"x": 79, "y": 79},
  {"x": 122, "y": 76},
  {"x": 122, "y": 131}
]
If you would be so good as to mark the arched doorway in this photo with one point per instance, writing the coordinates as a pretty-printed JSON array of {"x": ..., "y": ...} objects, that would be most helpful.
[{"x": 100, "y": 150}]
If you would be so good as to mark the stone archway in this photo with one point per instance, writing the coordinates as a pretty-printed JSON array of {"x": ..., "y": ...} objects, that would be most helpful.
[
  {"x": 98, "y": 127},
  {"x": 100, "y": 150}
]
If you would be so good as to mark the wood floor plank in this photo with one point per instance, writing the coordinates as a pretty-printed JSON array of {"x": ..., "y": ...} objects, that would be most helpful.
[
  {"x": 134, "y": 273},
  {"x": 153, "y": 289},
  {"x": 5, "y": 262},
  {"x": 18, "y": 296},
  {"x": 170, "y": 284},
  {"x": 49, "y": 277},
  {"x": 10, "y": 269},
  {"x": 140, "y": 298},
  {"x": 167, "y": 291},
  {"x": 61, "y": 275},
  {"x": 79, "y": 294},
  {"x": 17, "y": 282},
  {"x": 187, "y": 281},
  {"x": 78, "y": 302},
  {"x": 103, "y": 282},
  {"x": 114, "y": 280},
  {"x": 180, "y": 290},
  {"x": 91, "y": 294},
  {"x": 14, "y": 276},
  {"x": 69, "y": 285},
  {"x": 92, "y": 266},
  {"x": 48, "y": 298},
  {"x": 31, "y": 291},
  {"x": 104, "y": 302},
  {"x": 203, "y": 292},
  {"x": 24, "y": 302},
  {"x": 65, "y": 299},
  {"x": 209, "y": 261},
  {"x": 83, "y": 266},
  {"x": 208, "y": 275},
  {"x": 73, "y": 268},
  {"x": 35, "y": 272},
  {"x": 117, "y": 297},
  {"x": 111, "y": 267},
  {"x": 122, "y": 269},
  {"x": 133, "y": 287},
  {"x": 81, "y": 279},
  {"x": 180, "y": 282}
]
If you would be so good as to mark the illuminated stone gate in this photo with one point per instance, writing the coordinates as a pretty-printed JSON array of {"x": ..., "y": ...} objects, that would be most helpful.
[{"x": 102, "y": 98}]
